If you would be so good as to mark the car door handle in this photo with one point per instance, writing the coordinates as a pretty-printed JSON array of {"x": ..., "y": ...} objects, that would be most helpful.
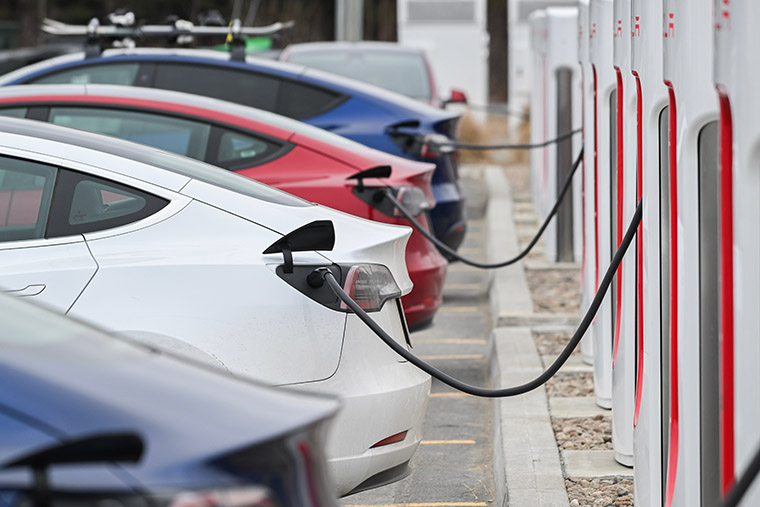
[{"x": 29, "y": 290}]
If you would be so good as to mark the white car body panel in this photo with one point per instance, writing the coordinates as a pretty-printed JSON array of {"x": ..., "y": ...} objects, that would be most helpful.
[{"x": 51, "y": 272}]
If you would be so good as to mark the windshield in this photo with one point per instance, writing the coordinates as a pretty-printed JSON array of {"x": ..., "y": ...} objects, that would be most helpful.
[{"x": 398, "y": 71}]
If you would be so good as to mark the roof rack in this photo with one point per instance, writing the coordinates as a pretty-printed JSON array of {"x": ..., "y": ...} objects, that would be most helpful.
[{"x": 124, "y": 31}]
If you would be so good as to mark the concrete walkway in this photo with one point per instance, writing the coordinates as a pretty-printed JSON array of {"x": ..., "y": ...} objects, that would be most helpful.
[{"x": 528, "y": 465}]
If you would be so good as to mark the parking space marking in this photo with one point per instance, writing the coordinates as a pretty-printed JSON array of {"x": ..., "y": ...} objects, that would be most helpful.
[
  {"x": 433, "y": 504},
  {"x": 459, "y": 356},
  {"x": 458, "y": 309},
  {"x": 448, "y": 395},
  {"x": 447, "y": 442}
]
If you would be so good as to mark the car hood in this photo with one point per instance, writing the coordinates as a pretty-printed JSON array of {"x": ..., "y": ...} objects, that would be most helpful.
[
  {"x": 72, "y": 382},
  {"x": 356, "y": 240}
]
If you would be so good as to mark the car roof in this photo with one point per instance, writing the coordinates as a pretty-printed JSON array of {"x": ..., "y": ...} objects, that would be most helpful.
[
  {"x": 276, "y": 124},
  {"x": 390, "y": 100},
  {"x": 160, "y": 159}
]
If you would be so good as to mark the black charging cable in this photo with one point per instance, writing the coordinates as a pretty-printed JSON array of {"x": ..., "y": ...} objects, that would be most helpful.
[
  {"x": 523, "y": 146},
  {"x": 327, "y": 276},
  {"x": 388, "y": 194},
  {"x": 745, "y": 481}
]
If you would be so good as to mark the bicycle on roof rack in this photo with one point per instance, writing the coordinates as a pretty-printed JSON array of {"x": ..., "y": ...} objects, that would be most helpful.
[{"x": 125, "y": 31}]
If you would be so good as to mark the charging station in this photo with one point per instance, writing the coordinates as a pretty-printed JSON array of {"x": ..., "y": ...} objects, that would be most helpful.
[
  {"x": 650, "y": 421},
  {"x": 737, "y": 79},
  {"x": 586, "y": 91},
  {"x": 603, "y": 82},
  {"x": 555, "y": 110},
  {"x": 692, "y": 473},
  {"x": 623, "y": 194},
  {"x": 539, "y": 163}
]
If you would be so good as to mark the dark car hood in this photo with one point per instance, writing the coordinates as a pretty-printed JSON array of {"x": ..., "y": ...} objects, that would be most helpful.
[{"x": 71, "y": 382}]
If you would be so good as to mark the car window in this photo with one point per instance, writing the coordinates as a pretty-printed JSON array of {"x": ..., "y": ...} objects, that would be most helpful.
[
  {"x": 247, "y": 88},
  {"x": 300, "y": 100},
  {"x": 16, "y": 112},
  {"x": 26, "y": 189},
  {"x": 236, "y": 150},
  {"x": 85, "y": 203},
  {"x": 401, "y": 72},
  {"x": 112, "y": 73},
  {"x": 177, "y": 135}
]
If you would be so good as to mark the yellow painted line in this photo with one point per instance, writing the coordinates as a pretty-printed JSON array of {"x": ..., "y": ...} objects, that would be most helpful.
[
  {"x": 433, "y": 504},
  {"x": 448, "y": 395},
  {"x": 459, "y": 356},
  {"x": 446, "y": 442},
  {"x": 456, "y": 341},
  {"x": 458, "y": 309}
]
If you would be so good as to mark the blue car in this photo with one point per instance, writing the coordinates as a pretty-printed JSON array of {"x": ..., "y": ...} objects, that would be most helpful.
[
  {"x": 90, "y": 419},
  {"x": 370, "y": 115}
]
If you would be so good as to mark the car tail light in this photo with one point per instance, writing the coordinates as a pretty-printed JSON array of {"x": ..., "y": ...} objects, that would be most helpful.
[
  {"x": 235, "y": 497},
  {"x": 370, "y": 285},
  {"x": 413, "y": 199},
  {"x": 398, "y": 437},
  {"x": 435, "y": 146}
]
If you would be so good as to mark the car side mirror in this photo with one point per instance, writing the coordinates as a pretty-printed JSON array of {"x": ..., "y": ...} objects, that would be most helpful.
[{"x": 457, "y": 97}]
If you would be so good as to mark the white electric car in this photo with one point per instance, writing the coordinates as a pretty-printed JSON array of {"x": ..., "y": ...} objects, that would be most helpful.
[{"x": 181, "y": 254}]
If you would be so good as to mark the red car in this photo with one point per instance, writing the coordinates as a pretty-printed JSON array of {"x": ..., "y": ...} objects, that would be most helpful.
[{"x": 293, "y": 156}]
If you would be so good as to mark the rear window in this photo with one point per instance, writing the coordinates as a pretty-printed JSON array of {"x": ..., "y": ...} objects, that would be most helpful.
[
  {"x": 247, "y": 88},
  {"x": 286, "y": 97},
  {"x": 299, "y": 100}
]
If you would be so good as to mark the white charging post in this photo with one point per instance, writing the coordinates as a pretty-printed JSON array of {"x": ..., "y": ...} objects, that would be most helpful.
[
  {"x": 692, "y": 440},
  {"x": 539, "y": 162},
  {"x": 603, "y": 82},
  {"x": 588, "y": 287},
  {"x": 649, "y": 419},
  {"x": 623, "y": 194},
  {"x": 737, "y": 80}
]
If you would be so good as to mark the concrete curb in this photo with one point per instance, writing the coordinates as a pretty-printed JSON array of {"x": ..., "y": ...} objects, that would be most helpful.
[{"x": 527, "y": 468}]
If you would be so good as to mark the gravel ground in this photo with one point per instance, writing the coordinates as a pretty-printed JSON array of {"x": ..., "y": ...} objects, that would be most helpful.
[
  {"x": 552, "y": 344},
  {"x": 600, "y": 492},
  {"x": 555, "y": 291},
  {"x": 571, "y": 384},
  {"x": 584, "y": 433}
]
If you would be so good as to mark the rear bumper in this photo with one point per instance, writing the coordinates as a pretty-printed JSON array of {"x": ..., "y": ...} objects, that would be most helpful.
[
  {"x": 382, "y": 396},
  {"x": 448, "y": 216}
]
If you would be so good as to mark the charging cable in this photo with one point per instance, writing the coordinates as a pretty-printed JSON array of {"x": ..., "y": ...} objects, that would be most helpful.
[
  {"x": 745, "y": 481},
  {"x": 388, "y": 194},
  {"x": 527, "y": 146},
  {"x": 334, "y": 285}
]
